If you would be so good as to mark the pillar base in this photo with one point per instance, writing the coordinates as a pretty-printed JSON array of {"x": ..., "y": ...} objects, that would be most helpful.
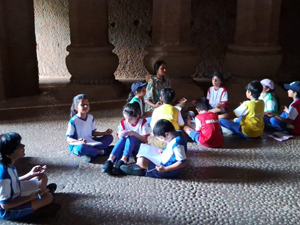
[
  {"x": 186, "y": 88},
  {"x": 254, "y": 62},
  {"x": 181, "y": 60},
  {"x": 92, "y": 65},
  {"x": 104, "y": 92}
]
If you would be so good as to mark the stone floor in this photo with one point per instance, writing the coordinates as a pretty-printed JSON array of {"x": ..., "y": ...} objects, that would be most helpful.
[{"x": 245, "y": 182}]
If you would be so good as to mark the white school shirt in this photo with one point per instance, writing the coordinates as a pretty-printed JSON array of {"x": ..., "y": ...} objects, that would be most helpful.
[
  {"x": 9, "y": 183},
  {"x": 216, "y": 96},
  {"x": 140, "y": 127},
  {"x": 173, "y": 152},
  {"x": 80, "y": 128}
]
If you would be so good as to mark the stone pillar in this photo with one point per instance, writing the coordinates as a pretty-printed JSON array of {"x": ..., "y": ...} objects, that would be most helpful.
[
  {"x": 171, "y": 41},
  {"x": 91, "y": 62},
  {"x": 255, "y": 52},
  {"x": 18, "y": 60},
  {"x": 90, "y": 59}
]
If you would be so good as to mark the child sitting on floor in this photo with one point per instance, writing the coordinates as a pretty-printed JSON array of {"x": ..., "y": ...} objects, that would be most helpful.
[
  {"x": 251, "y": 112},
  {"x": 83, "y": 138},
  {"x": 21, "y": 196},
  {"x": 132, "y": 131},
  {"x": 167, "y": 110},
  {"x": 217, "y": 95},
  {"x": 289, "y": 119},
  {"x": 271, "y": 100},
  {"x": 173, "y": 156},
  {"x": 207, "y": 128}
]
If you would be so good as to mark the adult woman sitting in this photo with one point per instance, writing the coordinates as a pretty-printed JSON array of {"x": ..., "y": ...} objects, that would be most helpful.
[{"x": 155, "y": 85}]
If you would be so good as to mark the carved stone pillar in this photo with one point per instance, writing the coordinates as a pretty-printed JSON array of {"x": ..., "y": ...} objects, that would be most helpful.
[
  {"x": 255, "y": 52},
  {"x": 18, "y": 60},
  {"x": 171, "y": 42},
  {"x": 90, "y": 59}
]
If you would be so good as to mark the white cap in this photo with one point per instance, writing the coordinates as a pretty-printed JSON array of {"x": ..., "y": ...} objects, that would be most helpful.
[{"x": 268, "y": 83}]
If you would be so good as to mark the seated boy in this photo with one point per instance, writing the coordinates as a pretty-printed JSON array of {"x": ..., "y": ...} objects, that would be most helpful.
[
  {"x": 289, "y": 119},
  {"x": 208, "y": 130},
  {"x": 167, "y": 110},
  {"x": 251, "y": 124},
  {"x": 173, "y": 156}
]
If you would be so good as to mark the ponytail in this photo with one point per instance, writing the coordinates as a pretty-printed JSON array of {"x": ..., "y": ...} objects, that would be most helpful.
[{"x": 130, "y": 96}]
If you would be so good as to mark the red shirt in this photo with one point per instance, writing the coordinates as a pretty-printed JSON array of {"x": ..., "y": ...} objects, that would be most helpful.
[{"x": 210, "y": 131}]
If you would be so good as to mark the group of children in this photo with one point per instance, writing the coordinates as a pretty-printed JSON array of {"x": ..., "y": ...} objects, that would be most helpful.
[{"x": 167, "y": 125}]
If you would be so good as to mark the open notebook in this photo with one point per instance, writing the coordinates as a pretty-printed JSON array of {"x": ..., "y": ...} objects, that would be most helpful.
[{"x": 279, "y": 136}]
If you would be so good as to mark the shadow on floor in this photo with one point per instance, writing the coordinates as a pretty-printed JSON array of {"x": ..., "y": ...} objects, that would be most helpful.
[{"x": 223, "y": 174}]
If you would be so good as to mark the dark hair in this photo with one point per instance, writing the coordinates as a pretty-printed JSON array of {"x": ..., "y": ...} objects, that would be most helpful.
[
  {"x": 217, "y": 74},
  {"x": 75, "y": 103},
  {"x": 9, "y": 142},
  {"x": 167, "y": 95},
  {"x": 157, "y": 64},
  {"x": 272, "y": 92},
  {"x": 131, "y": 94},
  {"x": 132, "y": 109},
  {"x": 255, "y": 87},
  {"x": 202, "y": 104},
  {"x": 162, "y": 126}
]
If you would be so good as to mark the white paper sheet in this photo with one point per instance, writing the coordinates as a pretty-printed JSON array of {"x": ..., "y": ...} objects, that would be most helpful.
[{"x": 151, "y": 153}]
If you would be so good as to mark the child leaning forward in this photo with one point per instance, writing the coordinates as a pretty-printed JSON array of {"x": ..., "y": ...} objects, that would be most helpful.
[
  {"x": 132, "y": 131},
  {"x": 207, "y": 127},
  {"x": 173, "y": 156}
]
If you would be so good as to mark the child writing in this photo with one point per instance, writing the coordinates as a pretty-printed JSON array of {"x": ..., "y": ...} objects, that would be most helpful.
[
  {"x": 216, "y": 95},
  {"x": 82, "y": 136},
  {"x": 167, "y": 110},
  {"x": 289, "y": 119},
  {"x": 270, "y": 98},
  {"x": 172, "y": 159},
  {"x": 132, "y": 131},
  {"x": 251, "y": 124},
  {"x": 207, "y": 128},
  {"x": 21, "y": 196}
]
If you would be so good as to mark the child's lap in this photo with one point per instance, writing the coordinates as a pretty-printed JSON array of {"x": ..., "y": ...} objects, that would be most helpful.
[
  {"x": 17, "y": 212},
  {"x": 29, "y": 186},
  {"x": 156, "y": 174}
]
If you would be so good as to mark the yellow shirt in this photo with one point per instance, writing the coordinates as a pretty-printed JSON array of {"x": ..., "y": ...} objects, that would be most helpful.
[
  {"x": 167, "y": 112},
  {"x": 252, "y": 123}
]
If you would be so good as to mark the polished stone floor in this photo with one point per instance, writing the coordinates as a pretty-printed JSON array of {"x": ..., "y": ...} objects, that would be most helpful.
[{"x": 245, "y": 182}]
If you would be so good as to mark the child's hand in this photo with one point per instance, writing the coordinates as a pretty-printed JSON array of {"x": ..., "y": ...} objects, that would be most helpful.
[
  {"x": 161, "y": 168},
  {"x": 183, "y": 100},
  {"x": 108, "y": 131},
  {"x": 158, "y": 104},
  {"x": 82, "y": 140},
  {"x": 270, "y": 114},
  {"x": 37, "y": 170},
  {"x": 286, "y": 109},
  {"x": 159, "y": 151},
  {"x": 131, "y": 133}
]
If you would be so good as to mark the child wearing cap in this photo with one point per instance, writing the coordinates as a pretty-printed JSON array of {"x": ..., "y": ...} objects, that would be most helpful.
[
  {"x": 216, "y": 95},
  {"x": 270, "y": 98},
  {"x": 289, "y": 119},
  {"x": 252, "y": 112},
  {"x": 138, "y": 91}
]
